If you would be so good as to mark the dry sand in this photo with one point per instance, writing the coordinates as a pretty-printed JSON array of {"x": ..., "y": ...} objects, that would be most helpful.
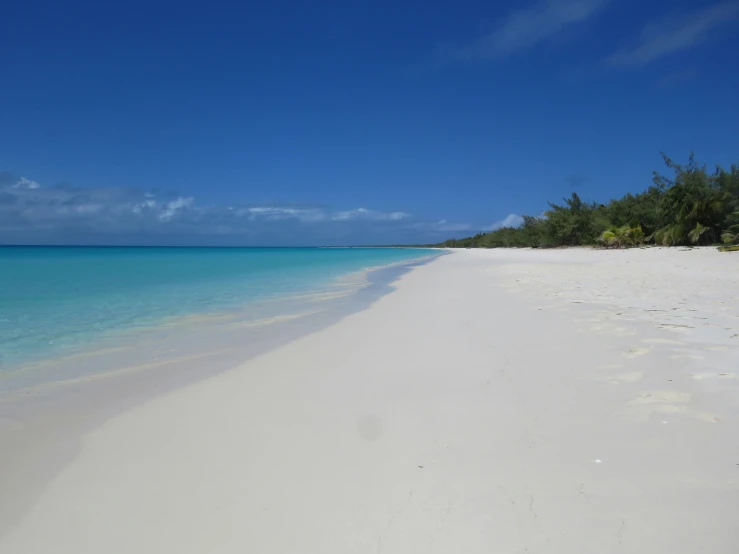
[{"x": 497, "y": 401}]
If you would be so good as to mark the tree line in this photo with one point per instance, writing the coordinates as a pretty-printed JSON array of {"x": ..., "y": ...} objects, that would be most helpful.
[{"x": 694, "y": 207}]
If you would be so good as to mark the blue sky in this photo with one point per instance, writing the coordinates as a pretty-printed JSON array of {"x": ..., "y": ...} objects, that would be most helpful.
[{"x": 346, "y": 122}]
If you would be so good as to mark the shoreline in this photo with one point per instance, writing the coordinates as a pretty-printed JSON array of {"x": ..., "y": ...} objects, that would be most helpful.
[
  {"x": 495, "y": 401},
  {"x": 264, "y": 310},
  {"x": 41, "y": 427}
]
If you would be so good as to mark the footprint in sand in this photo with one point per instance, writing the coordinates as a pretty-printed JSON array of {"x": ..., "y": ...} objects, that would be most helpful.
[
  {"x": 636, "y": 352},
  {"x": 667, "y": 402},
  {"x": 623, "y": 332},
  {"x": 687, "y": 353},
  {"x": 663, "y": 341},
  {"x": 632, "y": 377},
  {"x": 703, "y": 416},
  {"x": 663, "y": 402},
  {"x": 675, "y": 328},
  {"x": 702, "y": 376}
]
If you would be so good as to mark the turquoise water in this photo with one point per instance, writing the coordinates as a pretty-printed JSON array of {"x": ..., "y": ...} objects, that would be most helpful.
[{"x": 53, "y": 299}]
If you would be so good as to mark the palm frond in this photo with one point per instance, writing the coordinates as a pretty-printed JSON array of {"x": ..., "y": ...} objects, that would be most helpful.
[{"x": 697, "y": 232}]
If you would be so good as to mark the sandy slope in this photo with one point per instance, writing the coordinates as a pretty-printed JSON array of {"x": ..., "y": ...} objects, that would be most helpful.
[{"x": 496, "y": 402}]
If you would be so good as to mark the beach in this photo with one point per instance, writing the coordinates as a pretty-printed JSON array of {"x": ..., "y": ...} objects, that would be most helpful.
[{"x": 554, "y": 401}]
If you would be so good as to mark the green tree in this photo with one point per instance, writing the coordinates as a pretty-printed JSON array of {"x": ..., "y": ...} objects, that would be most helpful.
[
  {"x": 573, "y": 223},
  {"x": 692, "y": 208},
  {"x": 730, "y": 236}
]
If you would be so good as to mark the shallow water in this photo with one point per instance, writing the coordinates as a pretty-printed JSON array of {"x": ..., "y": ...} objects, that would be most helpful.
[{"x": 59, "y": 301}]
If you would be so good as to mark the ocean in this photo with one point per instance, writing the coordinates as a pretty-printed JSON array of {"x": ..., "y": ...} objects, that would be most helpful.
[{"x": 59, "y": 300}]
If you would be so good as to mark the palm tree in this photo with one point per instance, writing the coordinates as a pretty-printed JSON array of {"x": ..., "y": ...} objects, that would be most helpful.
[
  {"x": 613, "y": 237},
  {"x": 697, "y": 232},
  {"x": 618, "y": 237},
  {"x": 671, "y": 235},
  {"x": 607, "y": 238},
  {"x": 730, "y": 236},
  {"x": 636, "y": 236}
]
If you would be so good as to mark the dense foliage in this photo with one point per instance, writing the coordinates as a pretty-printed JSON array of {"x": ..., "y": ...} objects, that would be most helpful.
[{"x": 694, "y": 207}]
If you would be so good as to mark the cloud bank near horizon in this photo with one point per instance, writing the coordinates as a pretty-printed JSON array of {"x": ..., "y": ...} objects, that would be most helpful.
[{"x": 34, "y": 214}]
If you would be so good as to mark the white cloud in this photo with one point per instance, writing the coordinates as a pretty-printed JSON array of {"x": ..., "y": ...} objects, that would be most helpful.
[
  {"x": 271, "y": 210},
  {"x": 524, "y": 29},
  {"x": 53, "y": 213},
  {"x": 511, "y": 220},
  {"x": 24, "y": 183},
  {"x": 172, "y": 207},
  {"x": 363, "y": 213},
  {"x": 675, "y": 33},
  {"x": 349, "y": 214},
  {"x": 145, "y": 205},
  {"x": 276, "y": 213}
]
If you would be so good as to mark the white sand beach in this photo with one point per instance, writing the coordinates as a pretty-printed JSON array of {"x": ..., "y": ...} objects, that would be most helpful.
[{"x": 496, "y": 402}]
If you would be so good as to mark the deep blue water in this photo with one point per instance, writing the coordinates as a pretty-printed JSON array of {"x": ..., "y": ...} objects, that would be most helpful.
[{"x": 53, "y": 299}]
